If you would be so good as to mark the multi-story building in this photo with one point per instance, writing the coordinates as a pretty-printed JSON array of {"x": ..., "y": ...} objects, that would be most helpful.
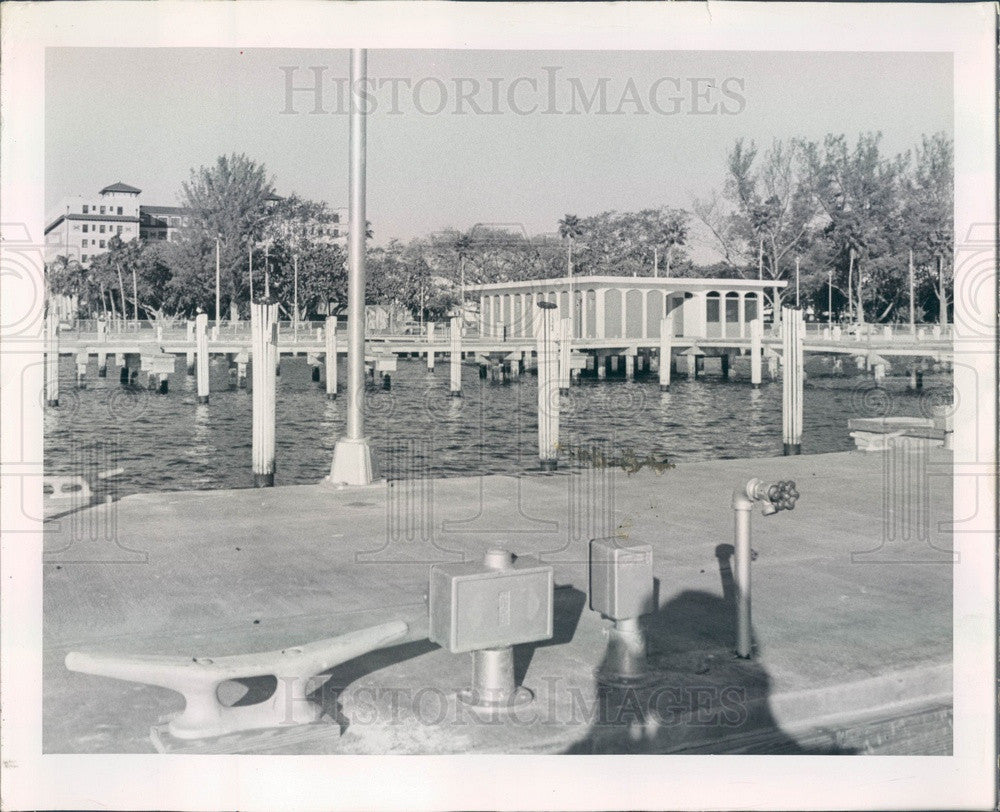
[{"x": 81, "y": 227}]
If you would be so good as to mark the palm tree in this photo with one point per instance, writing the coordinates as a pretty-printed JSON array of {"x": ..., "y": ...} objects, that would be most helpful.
[{"x": 569, "y": 229}]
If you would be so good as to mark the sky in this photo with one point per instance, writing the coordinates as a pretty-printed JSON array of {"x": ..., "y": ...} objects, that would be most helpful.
[{"x": 457, "y": 138}]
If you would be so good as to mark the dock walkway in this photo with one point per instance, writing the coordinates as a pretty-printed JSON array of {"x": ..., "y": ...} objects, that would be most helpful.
[{"x": 852, "y": 616}]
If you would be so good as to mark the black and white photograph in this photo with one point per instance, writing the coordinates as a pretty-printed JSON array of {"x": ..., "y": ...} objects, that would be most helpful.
[{"x": 563, "y": 394}]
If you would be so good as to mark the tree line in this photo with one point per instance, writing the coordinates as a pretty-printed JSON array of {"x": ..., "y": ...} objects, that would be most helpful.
[{"x": 853, "y": 220}]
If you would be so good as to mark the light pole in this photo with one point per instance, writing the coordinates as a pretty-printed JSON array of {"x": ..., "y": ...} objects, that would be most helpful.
[
  {"x": 267, "y": 270},
  {"x": 250, "y": 252},
  {"x": 218, "y": 280},
  {"x": 295, "y": 305},
  {"x": 829, "y": 298},
  {"x": 796, "y": 281},
  {"x": 913, "y": 325},
  {"x": 352, "y": 458}
]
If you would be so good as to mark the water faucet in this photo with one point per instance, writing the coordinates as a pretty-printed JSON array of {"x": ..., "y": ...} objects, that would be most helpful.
[{"x": 780, "y": 495}]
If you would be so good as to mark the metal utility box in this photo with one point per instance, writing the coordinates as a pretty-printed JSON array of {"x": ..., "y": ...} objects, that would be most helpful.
[
  {"x": 621, "y": 578},
  {"x": 491, "y": 604}
]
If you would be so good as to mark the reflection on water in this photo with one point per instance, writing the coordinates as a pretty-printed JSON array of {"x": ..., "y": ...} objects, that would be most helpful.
[{"x": 169, "y": 442}]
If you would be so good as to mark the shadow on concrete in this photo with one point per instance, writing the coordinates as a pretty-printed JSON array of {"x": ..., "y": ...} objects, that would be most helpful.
[
  {"x": 698, "y": 697},
  {"x": 340, "y": 677},
  {"x": 568, "y": 603}
]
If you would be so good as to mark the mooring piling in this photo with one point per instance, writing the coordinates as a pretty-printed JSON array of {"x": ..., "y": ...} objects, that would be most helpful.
[
  {"x": 456, "y": 357},
  {"x": 263, "y": 335},
  {"x": 330, "y": 358},
  {"x": 201, "y": 340},
  {"x": 791, "y": 390},
  {"x": 548, "y": 391},
  {"x": 756, "y": 339},
  {"x": 666, "y": 351},
  {"x": 430, "y": 346},
  {"x": 51, "y": 359},
  {"x": 565, "y": 332}
]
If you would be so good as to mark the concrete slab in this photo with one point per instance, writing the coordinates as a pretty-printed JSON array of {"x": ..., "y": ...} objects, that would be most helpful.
[{"x": 852, "y": 607}]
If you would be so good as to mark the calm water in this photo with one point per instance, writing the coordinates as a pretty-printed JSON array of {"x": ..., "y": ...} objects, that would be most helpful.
[{"x": 169, "y": 442}]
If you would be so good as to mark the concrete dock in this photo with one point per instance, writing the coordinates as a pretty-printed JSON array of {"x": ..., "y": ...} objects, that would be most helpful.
[{"x": 852, "y": 609}]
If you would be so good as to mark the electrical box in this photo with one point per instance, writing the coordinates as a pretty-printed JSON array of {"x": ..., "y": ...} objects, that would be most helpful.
[
  {"x": 621, "y": 578},
  {"x": 499, "y": 602}
]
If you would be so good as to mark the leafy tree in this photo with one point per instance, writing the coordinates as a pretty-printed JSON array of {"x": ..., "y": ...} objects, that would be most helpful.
[{"x": 765, "y": 215}]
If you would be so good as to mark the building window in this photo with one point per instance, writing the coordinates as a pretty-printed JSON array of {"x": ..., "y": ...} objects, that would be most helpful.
[
  {"x": 175, "y": 221},
  {"x": 336, "y": 218},
  {"x": 119, "y": 209},
  {"x": 102, "y": 209},
  {"x": 83, "y": 258},
  {"x": 83, "y": 243},
  {"x": 85, "y": 226},
  {"x": 102, "y": 243},
  {"x": 119, "y": 230},
  {"x": 86, "y": 208}
]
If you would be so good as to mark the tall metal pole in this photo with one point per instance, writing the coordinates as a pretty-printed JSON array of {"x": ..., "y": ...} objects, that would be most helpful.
[
  {"x": 850, "y": 289},
  {"x": 295, "y": 323},
  {"x": 250, "y": 254},
  {"x": 829, "y": 298},
  {"x": 218, "y": 280},
  {"x": 352, "y": 458},
  {"x": 267, "y": 269},
  {"x": 913, "y": 325},
  {"x": 796, "y": 281},
  {"x": 656, "y": 262}
]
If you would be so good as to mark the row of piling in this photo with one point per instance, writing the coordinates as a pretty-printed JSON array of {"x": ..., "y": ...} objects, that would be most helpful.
[{"x": 556, "y": 366}]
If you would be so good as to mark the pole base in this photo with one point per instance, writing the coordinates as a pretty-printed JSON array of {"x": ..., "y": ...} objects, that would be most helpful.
[
  {"x": 456, "y": 393},
  {"x": 790, "y": 449},
  {"x": 263, "y": 480},
  {"x": 563, "y": 390},
  {"x": 493, "y": 686},
  {"x": 664, "y": 387},
  {"x": 331, "y": 395},
  {"x": 755, "y": 386},
  {"x": 625, "y": 661},
  {"x": 352, "y": 463},
  {"x": 202, "y": 398},
  {"x": 54, "y": 402},
  {"x": 548, "y": 465}
]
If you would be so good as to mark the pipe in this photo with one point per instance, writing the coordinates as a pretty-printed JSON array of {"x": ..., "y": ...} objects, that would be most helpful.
[{"x": 771, "y": 497}]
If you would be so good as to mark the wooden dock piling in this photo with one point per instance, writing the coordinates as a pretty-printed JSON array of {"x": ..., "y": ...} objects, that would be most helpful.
[
  {"x": 756, "y": 339},
  {"x": 81, "y": 369},
  {"x": 548, "y": 390},
  {"x": 666, "y": 350},
  {"x": 201, "y": 340},
  {"x": 456, "y": 357},
  {"x": 51, "y": 359},
  {"x": 430, "y": 347},
  {"x": 791, "y": 390},
  {"x": 263, "y": 336},
  {"x": 330, "y": 359},
  {"x": 102, "y": 364}
]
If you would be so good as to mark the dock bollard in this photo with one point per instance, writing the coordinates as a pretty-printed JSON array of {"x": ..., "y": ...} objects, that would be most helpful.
[
  {"x": 486, "y": 609},
  {"x": 791, "y": 379},
  {"x": 263, "y": 336},
  {"x": 621, "y": 589},
  {"x": 201, "y": 342},
  {"x": 430, "y": 347},
  {"x": 548, "y": 391},
  {"x": 666, "y": 350},
  {"x": 456, "y": 357},
  {"x": 772, "y": 498},
  {"x": 330, "y": 357},
  {"x": 51, "y": 360}
]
